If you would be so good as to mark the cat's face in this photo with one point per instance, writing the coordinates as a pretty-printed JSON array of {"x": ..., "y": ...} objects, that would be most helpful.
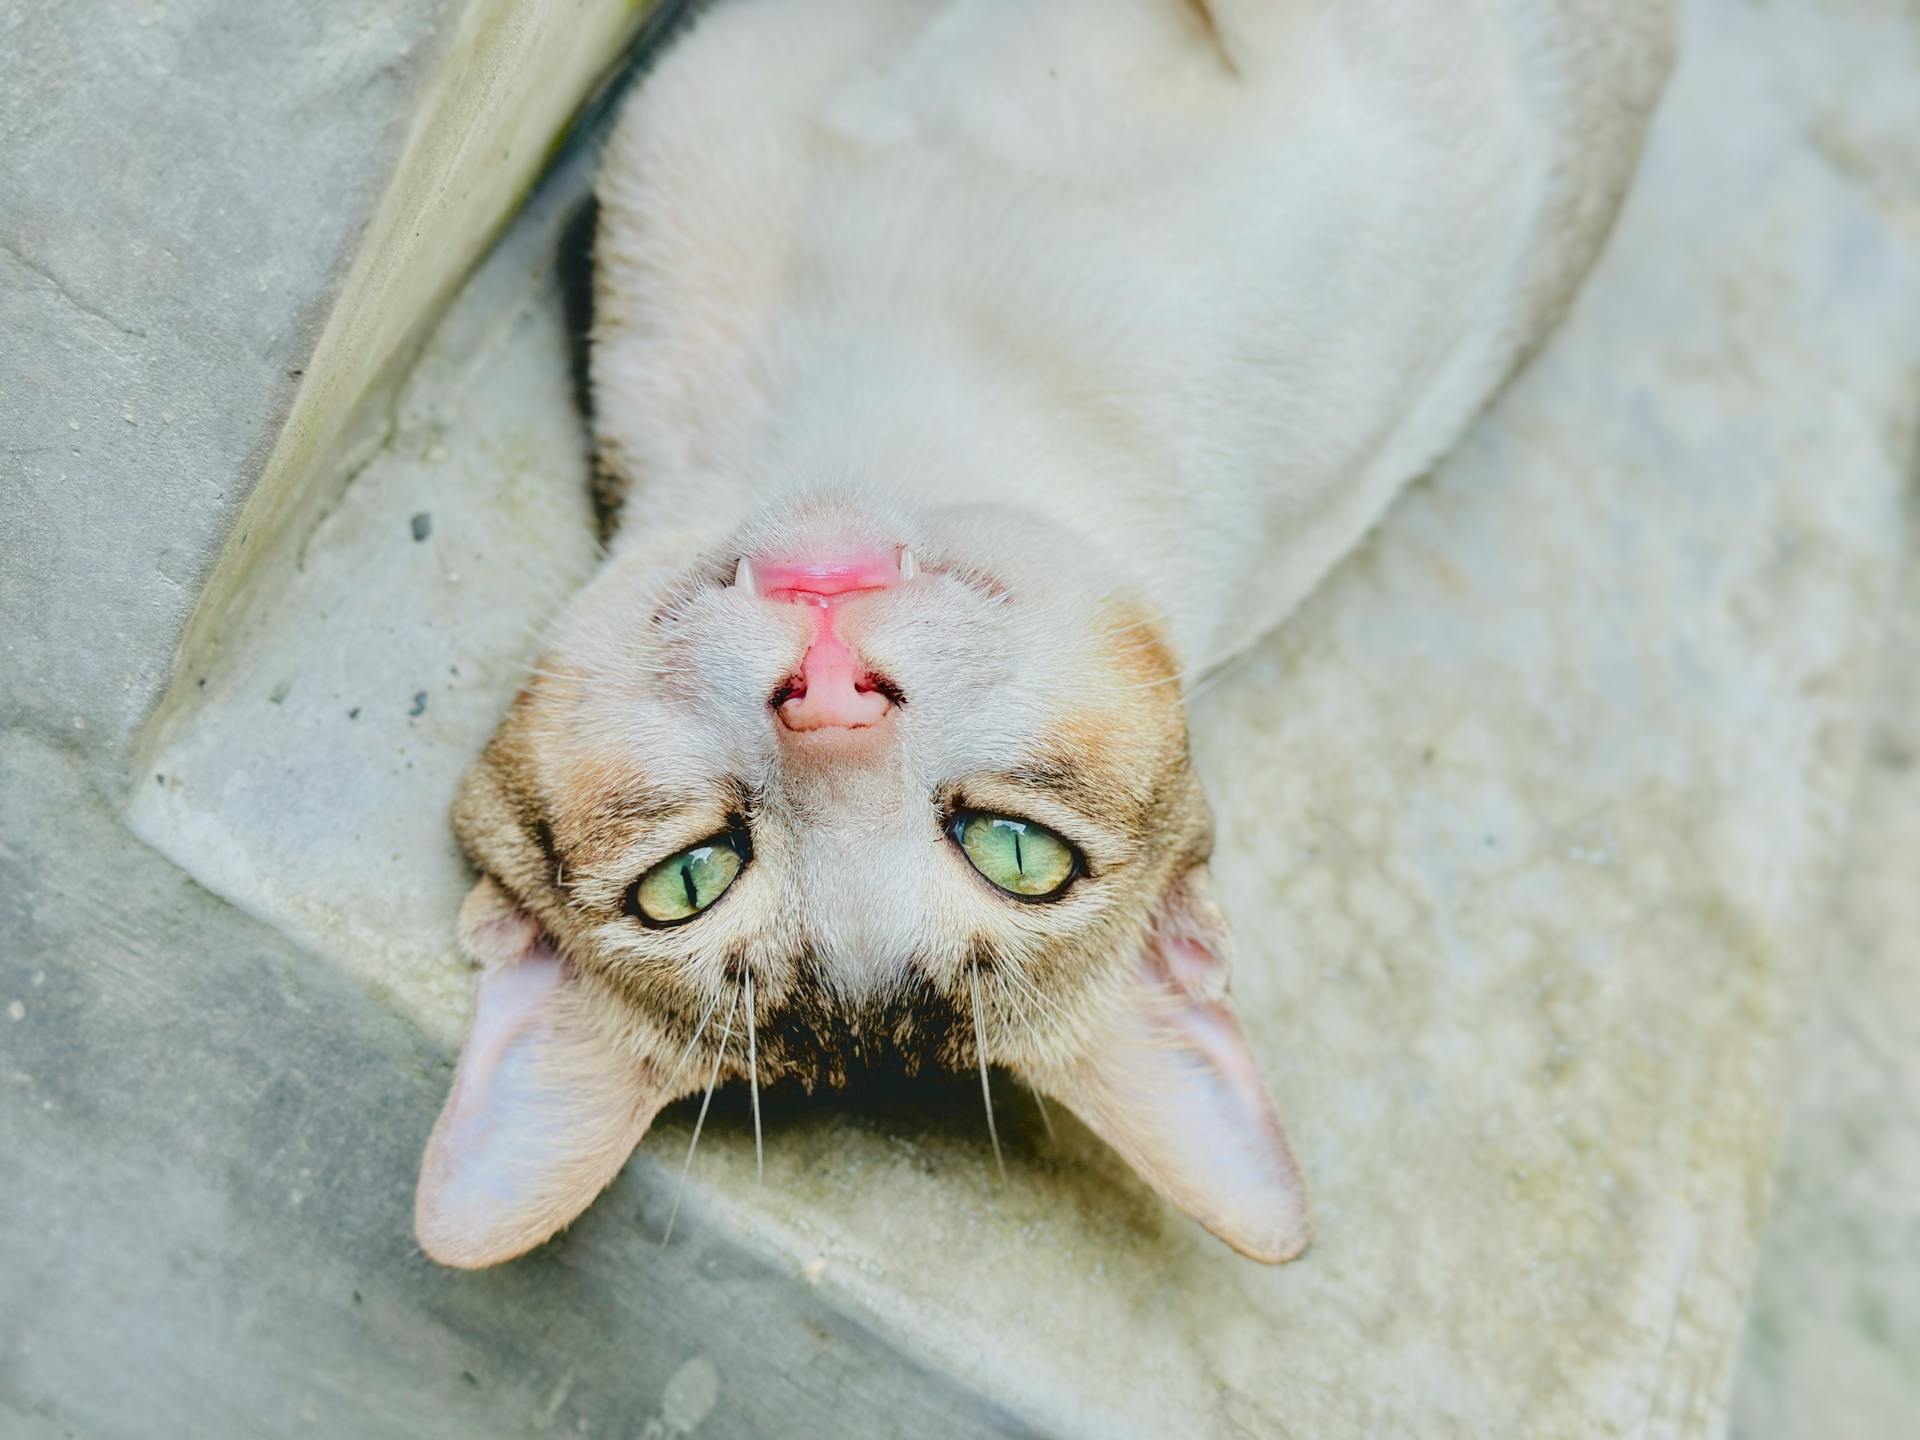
[{"x": 899, "y": 789}]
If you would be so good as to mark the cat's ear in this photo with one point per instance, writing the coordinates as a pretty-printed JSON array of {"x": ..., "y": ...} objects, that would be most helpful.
[
  {"x": 1168, "y": 1081},
  {"x": 544, "y": 1110}
]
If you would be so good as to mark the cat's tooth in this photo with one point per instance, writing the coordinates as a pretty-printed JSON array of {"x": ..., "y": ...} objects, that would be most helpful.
[
  {"x": 743, "y": 575},
  {"x": 909, "y": 567}
]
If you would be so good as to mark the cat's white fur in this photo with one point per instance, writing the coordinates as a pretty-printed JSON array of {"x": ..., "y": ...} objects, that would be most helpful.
[
  {"x": 1130, "y": 317},
  {"x": 1207, "y": 295}
]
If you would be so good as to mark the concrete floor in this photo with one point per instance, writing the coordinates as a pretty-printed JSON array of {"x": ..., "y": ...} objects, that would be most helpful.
[
  {"x": 207, "y": 1148},
  {"x": 1833, "y": 1338}
]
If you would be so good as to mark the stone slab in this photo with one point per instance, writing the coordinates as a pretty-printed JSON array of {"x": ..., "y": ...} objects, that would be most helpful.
[
  {"x": 1833, "y": 1337},
  {"x": 222, "y": 225},
  {"x": 206, "y": 1150}
]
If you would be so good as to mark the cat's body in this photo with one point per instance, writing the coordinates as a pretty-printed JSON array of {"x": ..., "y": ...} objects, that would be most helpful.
[
  {"x": 1033, "y": 358},
  {"x": 1207, "y": 307}
]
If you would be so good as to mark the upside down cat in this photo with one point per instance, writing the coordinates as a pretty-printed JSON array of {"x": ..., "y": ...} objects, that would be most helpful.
[{"x": 969, "y": 376}]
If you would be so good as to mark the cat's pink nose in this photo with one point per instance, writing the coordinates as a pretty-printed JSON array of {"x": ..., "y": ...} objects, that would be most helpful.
[{"x": 832, "y": 689}]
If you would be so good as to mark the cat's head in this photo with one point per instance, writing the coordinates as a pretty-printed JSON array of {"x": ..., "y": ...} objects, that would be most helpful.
[{"x": 856, "y": 786}]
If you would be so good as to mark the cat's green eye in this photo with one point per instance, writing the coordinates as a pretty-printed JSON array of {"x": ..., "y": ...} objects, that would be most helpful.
[
  {"x": 683, "y": 885},
  {"x": 1017, "y": 855}
]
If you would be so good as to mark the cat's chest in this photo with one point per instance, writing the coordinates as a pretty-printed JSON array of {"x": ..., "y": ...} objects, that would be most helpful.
[
  {"x": 1016, "y": 85},
  {"x": 994, "y": 253}
]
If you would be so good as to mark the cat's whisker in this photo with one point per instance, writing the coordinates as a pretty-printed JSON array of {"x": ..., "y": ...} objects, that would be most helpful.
[
  {"x": 1046, "y": 1116},
  {"x": 1030, "y": 1021},
  {"x": 583, "y": 670},
  {"x": 726, "y": 1034},
  {"x": 1226, "y": 670},
  {"x": 1120, "y": 632},
  {"x": 986, "y": 1090},
  {"x": 753, "y": 1078},
  {"x": 698, "y": 1031},
  {"x": 1030, "y": 1026},
  {"x": 1031, "y": 991},
  {"x": 1098, "y": 690},
  {"x": 1164, "y": 680},
  {"x": 539, "y": 634}
]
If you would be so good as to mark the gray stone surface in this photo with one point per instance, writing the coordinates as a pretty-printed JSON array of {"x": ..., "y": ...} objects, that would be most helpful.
[
  {"x": 162, "y": 277},
  {"x": 221, "y": 223},
  {"x": 1833, "y": 1340},
  {"x": 1559, "y": 767},
  {"x": 311, "y": 778},
  {"x": 207, "y": 1143}
]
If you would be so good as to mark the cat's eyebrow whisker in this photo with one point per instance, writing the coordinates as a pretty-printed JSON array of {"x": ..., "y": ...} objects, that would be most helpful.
[
  {"x": 753, "y": 1081},
  {"x": 986, "y": 1090},
  {"x": 1116, "y": 632},
  {"x": 1031, "y": 991},
  {"x": 698, "y": 1031},
  {"x": 1225, "y": 670},
  {"x": 1028, "y": 1020},
  {"x": 1180, "y": 679},
  {"x": 1046, "y": 1116},
  {"x": 726, "y": 1034}
]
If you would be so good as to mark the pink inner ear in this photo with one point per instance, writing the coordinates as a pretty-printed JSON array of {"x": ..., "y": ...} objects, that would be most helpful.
[
  {"x": 543, "y": 1114},
  {"x": 1209, "y": 1029},
  {"x": 488, "y": 1096},
  {"x": 1189, "y": 965},
  {"x": 1201, "y": 1117},
  {"x": 1172, "y": 1085}
]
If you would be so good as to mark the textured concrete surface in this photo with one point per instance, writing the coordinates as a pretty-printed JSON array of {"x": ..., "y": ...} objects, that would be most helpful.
[
  {"x": 1833, "y": 1339},
  {"x": 207, "y": 1141},
  {"x": 1833, "y": 1336},
  {"x": 221, "y": 223},
  {"x": 1559, "y": 764},
  {"x": 311, "y": 778}
]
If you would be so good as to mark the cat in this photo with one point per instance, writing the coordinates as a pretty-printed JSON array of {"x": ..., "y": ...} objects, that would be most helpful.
[{"x": 970, "y": 375}]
